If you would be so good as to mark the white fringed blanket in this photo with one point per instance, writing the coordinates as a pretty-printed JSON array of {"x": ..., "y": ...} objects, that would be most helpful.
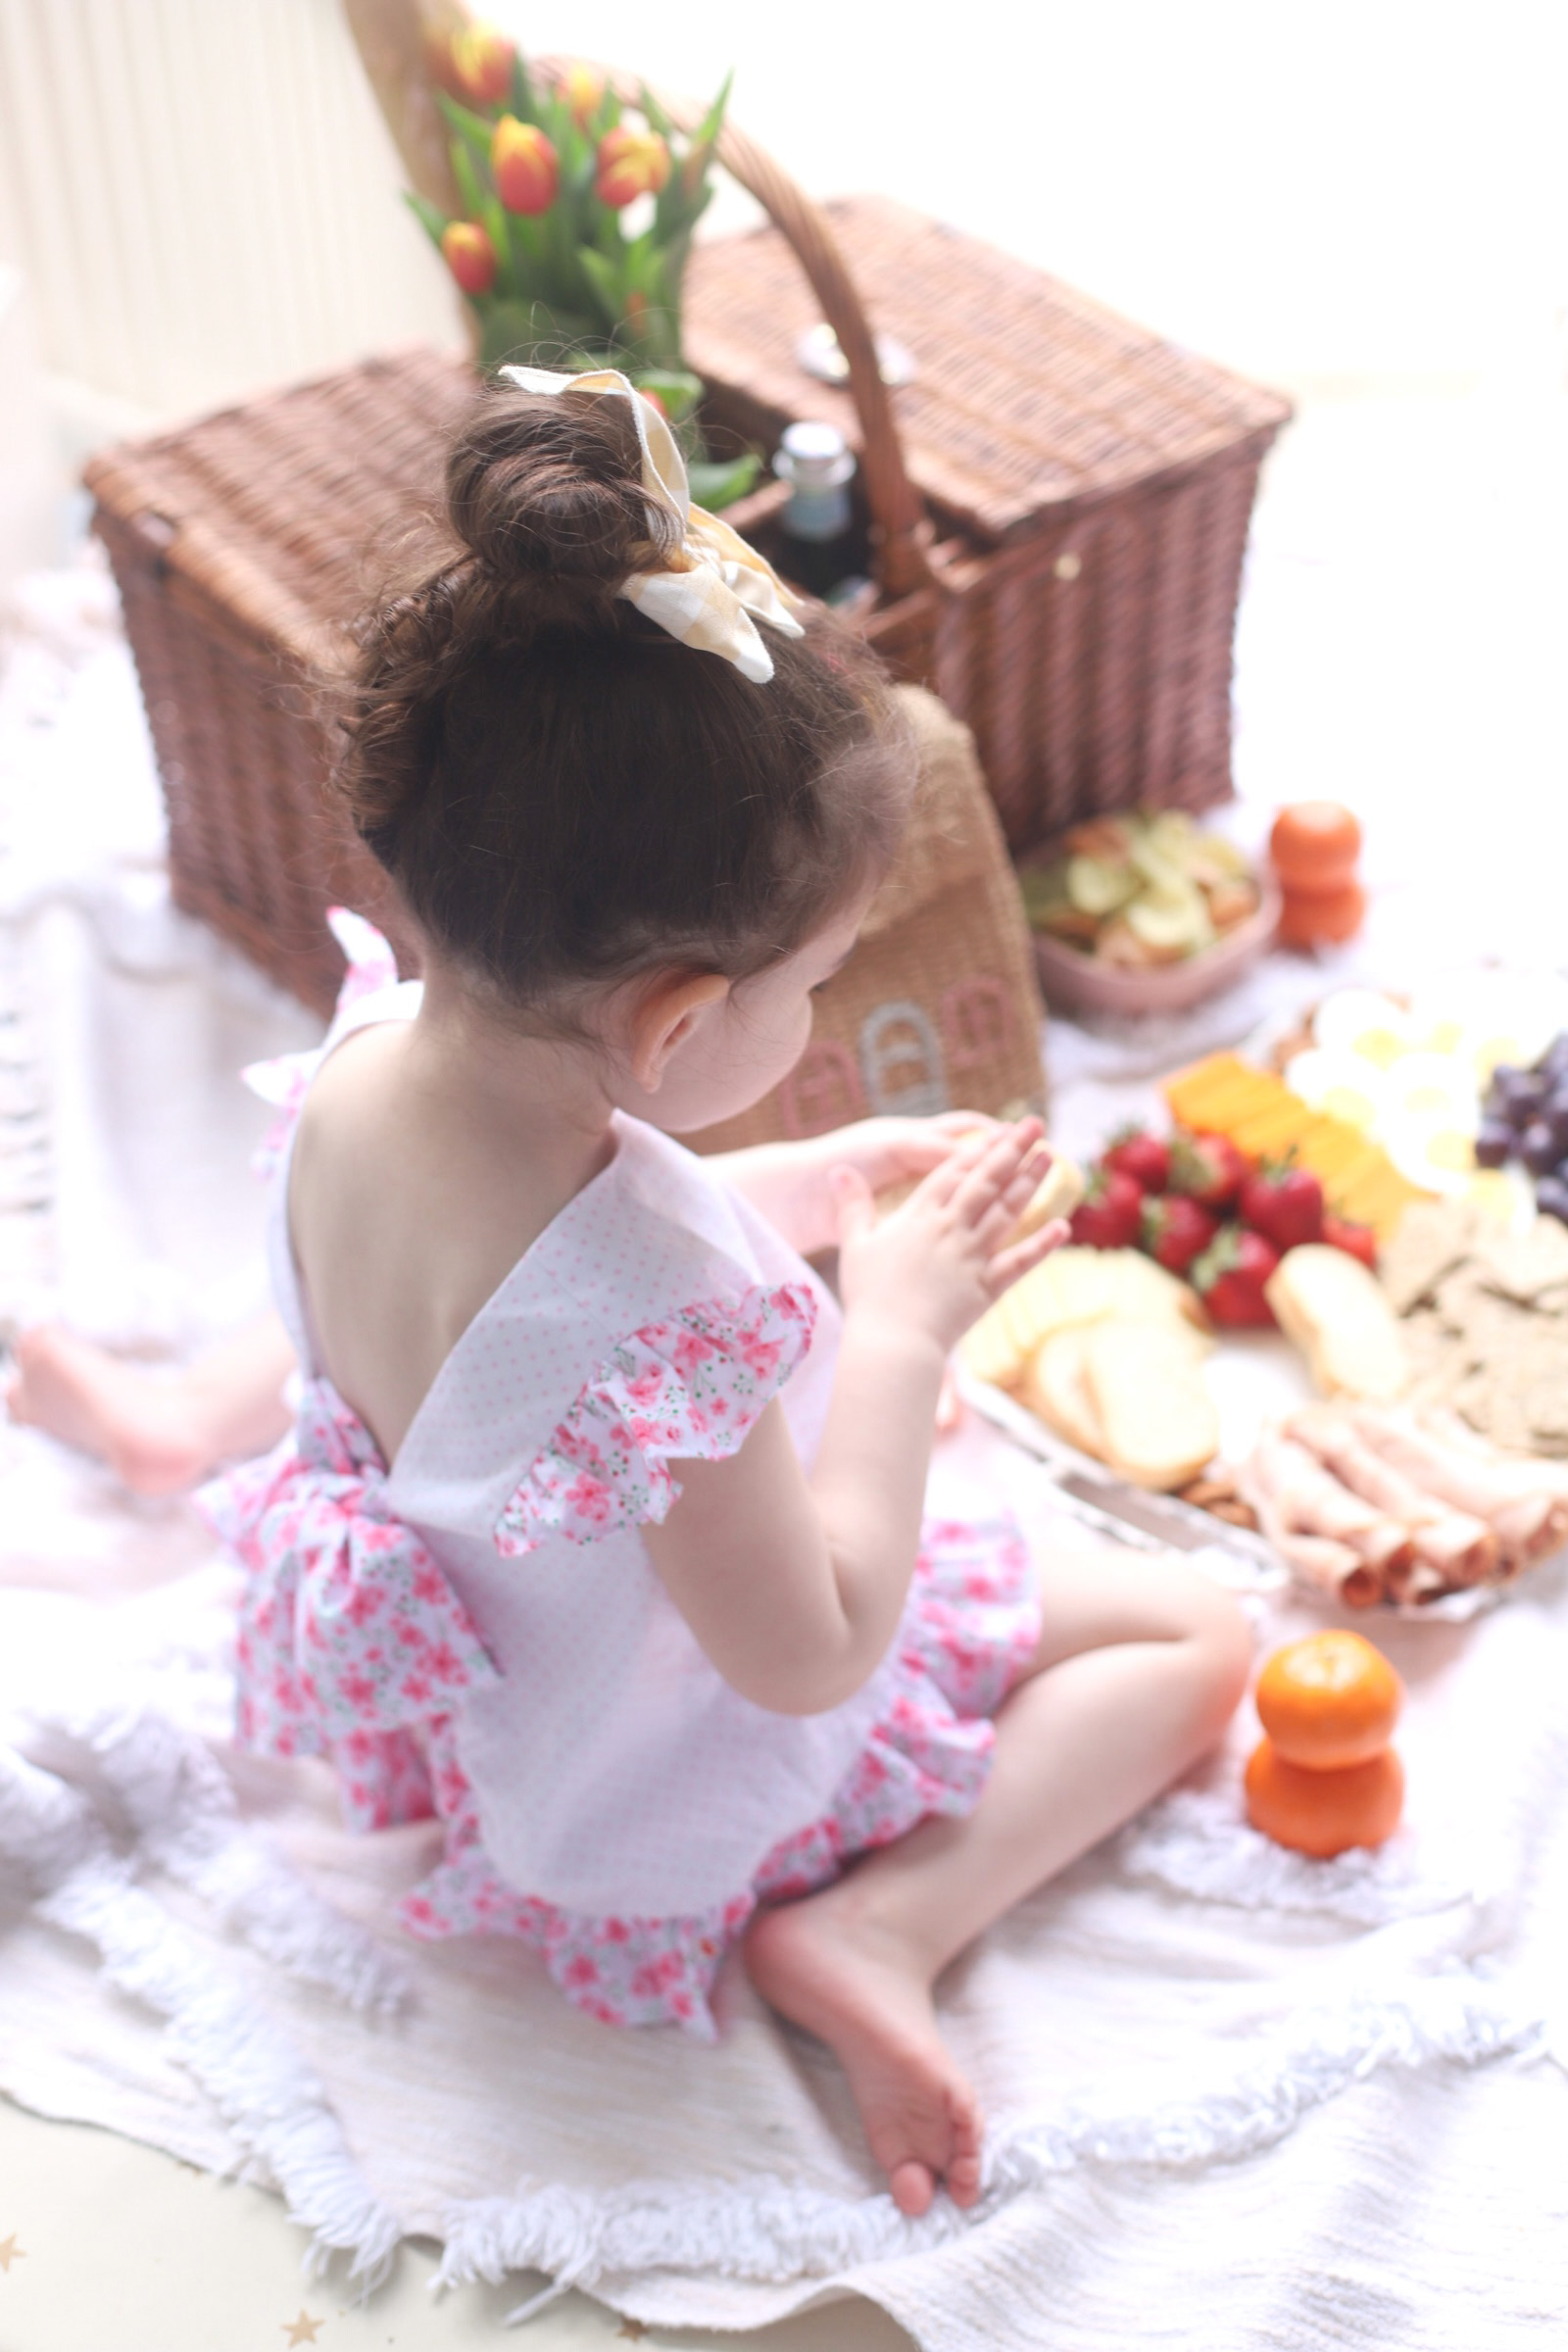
[
  {"x": 1236, "y": 2099},
  {"x": 1195, "y": 2049}
]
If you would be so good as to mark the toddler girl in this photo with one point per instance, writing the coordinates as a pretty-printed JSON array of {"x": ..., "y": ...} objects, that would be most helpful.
[{"x": 598, "y": 1530}]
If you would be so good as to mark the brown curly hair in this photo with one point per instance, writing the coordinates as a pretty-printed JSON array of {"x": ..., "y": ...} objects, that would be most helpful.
[{"x": 564, "y": 794}]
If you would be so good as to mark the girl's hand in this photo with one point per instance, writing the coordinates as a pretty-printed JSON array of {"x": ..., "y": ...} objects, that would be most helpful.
[
  {"x": 793, "y": 1184},
  {"x": 890, "y": 1150},
  {"x": 936, "y": 1264}
]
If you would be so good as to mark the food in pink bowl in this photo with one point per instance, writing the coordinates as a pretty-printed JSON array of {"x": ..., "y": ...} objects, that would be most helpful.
[{"x": 1145, "y": 914}]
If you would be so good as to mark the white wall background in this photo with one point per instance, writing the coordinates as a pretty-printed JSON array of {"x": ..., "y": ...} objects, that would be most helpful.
[
  {"x": 203, "y": 199},
  {"x": 1305, "y": 188}
]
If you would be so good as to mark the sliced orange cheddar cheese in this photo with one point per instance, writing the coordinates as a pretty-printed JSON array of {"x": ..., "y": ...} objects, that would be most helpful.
[{"x": 1227, "y": 1096}]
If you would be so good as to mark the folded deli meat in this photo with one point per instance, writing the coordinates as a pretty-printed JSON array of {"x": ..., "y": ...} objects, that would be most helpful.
[{"x": 1381, "y": 1502}]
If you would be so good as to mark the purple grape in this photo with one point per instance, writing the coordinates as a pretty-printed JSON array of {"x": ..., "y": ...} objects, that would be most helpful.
[
  {"x": 1554, "y": 1112},
  {"x": 1539, "y": 1149},
  {"x": 1515, "y": 1095},
  {"x": 1551, "y": 1197},
  {"x": 1553, "y": 1063},
  {"x": 1494, "y": 1144}
]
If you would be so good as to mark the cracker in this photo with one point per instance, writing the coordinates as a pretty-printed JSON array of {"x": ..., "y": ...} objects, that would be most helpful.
[
  {"x": 1523, "y": 1265},
  {"x": 1431, "y": 1238}
]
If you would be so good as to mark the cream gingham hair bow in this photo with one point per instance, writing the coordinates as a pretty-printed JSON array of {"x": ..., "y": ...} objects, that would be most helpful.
[{"x": 710, "y": 586}]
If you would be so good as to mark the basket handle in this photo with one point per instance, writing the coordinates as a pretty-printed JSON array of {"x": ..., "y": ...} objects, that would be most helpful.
[{"x": 900, "y": 531}]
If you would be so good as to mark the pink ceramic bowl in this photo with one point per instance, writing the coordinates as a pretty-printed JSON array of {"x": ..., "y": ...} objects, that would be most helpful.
[{"x": 1074, "y": 983}]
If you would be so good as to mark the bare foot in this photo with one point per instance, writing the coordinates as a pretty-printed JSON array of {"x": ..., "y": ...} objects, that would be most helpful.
[
  {"x": 847, "y": 1981},
  {"x": 144, "y": 1428}
]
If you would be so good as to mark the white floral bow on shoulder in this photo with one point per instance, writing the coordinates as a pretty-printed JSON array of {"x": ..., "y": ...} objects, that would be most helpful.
[{"x": 709, "y": 590}]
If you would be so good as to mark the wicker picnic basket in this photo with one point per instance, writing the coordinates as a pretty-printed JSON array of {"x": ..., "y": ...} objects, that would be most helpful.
[
  {"x": 240, "y": 547},
  {"x": 1056, "y": 508},
  {"x": 1055, "y": 523}
]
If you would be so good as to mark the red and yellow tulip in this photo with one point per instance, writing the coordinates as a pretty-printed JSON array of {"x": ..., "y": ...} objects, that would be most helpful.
[
  {"x": 469, "y": 256},
  {"x": 482, "y": 60},
  {"x": 584, "y": 90},
  {"x": 630, "y": 164},
  {"x": 524, "y": 166}
]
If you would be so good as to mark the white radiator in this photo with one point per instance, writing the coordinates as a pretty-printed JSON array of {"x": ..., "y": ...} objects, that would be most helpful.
[{"x": 203, "y": 197}]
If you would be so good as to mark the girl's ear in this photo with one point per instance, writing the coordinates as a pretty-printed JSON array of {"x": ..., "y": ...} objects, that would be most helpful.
[{"x": 665, "y": 1016}]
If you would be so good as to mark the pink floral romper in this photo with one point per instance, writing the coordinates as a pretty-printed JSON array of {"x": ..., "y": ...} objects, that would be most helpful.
[{"x": 475, "y": 1631}]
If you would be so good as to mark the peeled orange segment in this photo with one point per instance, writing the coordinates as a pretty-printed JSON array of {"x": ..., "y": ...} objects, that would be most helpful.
[
  {"x": 1324, "y": 1813},
  {"x": 1329, "y": 1701}
]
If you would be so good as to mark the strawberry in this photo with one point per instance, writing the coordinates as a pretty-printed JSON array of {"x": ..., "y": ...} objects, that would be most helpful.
[
  {"x": 1230, "y": 1275},
  {"x": 1208, "y": 1168},
  {"x": 1143, "y": 1156},
  {"x": 1358, "y": 1240},
  {"x": 1176, "y": 1230},
  {"x": 1283, "y": 1202},
  {"x": 1109, "y": 1214}
]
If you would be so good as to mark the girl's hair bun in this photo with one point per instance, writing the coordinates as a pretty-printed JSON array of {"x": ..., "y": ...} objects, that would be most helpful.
[{"x": 544, "y": 486}]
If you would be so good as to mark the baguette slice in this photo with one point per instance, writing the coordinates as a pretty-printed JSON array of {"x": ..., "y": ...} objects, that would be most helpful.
[
  {"x": 1147, "y": 1387},
  {"x": 1054, "y": 1387},
  {"x": 1337, "y": 1314},
  {"x": 1074, "y": 1286}
]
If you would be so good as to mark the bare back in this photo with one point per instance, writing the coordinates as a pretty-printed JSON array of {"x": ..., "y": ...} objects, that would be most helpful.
[{"x": 407, "y": 1211}]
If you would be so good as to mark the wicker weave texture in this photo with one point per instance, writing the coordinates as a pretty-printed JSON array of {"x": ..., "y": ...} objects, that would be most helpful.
[
  {"x": 1094, "y": 489},
  {"x": 1091, "y": 488},
  {"x": 1028, "y": 395},
  {"x": 939, "y": 1007}
]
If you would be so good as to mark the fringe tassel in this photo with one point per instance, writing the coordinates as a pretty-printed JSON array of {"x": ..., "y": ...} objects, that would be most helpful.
[
  {"x": 774, "y": 2235},
  {"x": 177, "y": 1800},
  {"x": 275, "y": 2106}
]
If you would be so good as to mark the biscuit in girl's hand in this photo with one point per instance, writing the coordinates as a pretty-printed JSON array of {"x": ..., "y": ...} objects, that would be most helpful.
[{"x": 1056, "y": 1195}]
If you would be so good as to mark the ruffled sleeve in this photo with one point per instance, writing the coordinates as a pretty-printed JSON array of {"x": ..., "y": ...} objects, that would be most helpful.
[{"x": 691, "y": 1386}]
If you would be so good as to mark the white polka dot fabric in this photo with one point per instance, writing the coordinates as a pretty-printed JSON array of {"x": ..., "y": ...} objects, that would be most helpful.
[{"x": 615, "y": 1770}]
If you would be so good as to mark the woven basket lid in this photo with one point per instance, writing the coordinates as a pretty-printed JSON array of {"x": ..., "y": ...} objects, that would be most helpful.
[
  {"x": 276, "y": 510},
  {"x": 1029, "y": 396}
]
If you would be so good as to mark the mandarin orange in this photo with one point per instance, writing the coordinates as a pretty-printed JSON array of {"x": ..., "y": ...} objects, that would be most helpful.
[
  {"x": 1324, "y": 1813},
  {"x": 1329, "y": 1701},
  {"x": 1314, "y": 845}
]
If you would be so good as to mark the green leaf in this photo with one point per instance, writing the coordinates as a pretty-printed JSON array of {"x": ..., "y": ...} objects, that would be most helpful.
[
  {"x": 720, "y": 485},
  {"x": 532, "y": 333},
  {"x": 527, "y": 247},
  {"x": 431, "y": 219},
  {"x": 680, "y": 390},
  {"x": 712, "y": 122},
  {"x": 475, "y": 196},
  {"x": 475, "y": 130},
  {"x": 658, "y": 119},
  {"x": 524, "y": 105},
  {"x": 606, "y": 283},
  {"x": 640, "y": 265},
  {"x": 494, "y": 220}
]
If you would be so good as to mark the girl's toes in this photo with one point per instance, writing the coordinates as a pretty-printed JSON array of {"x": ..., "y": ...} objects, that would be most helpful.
[
  {"x": 913, "y": 2186},
  {"x": 962, "y": 2173}
]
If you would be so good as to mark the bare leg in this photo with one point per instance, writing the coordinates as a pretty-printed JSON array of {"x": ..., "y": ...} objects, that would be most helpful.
[
  {"x": 1139, "y": 1670},
  {"x": 158, "y": 1432}
]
